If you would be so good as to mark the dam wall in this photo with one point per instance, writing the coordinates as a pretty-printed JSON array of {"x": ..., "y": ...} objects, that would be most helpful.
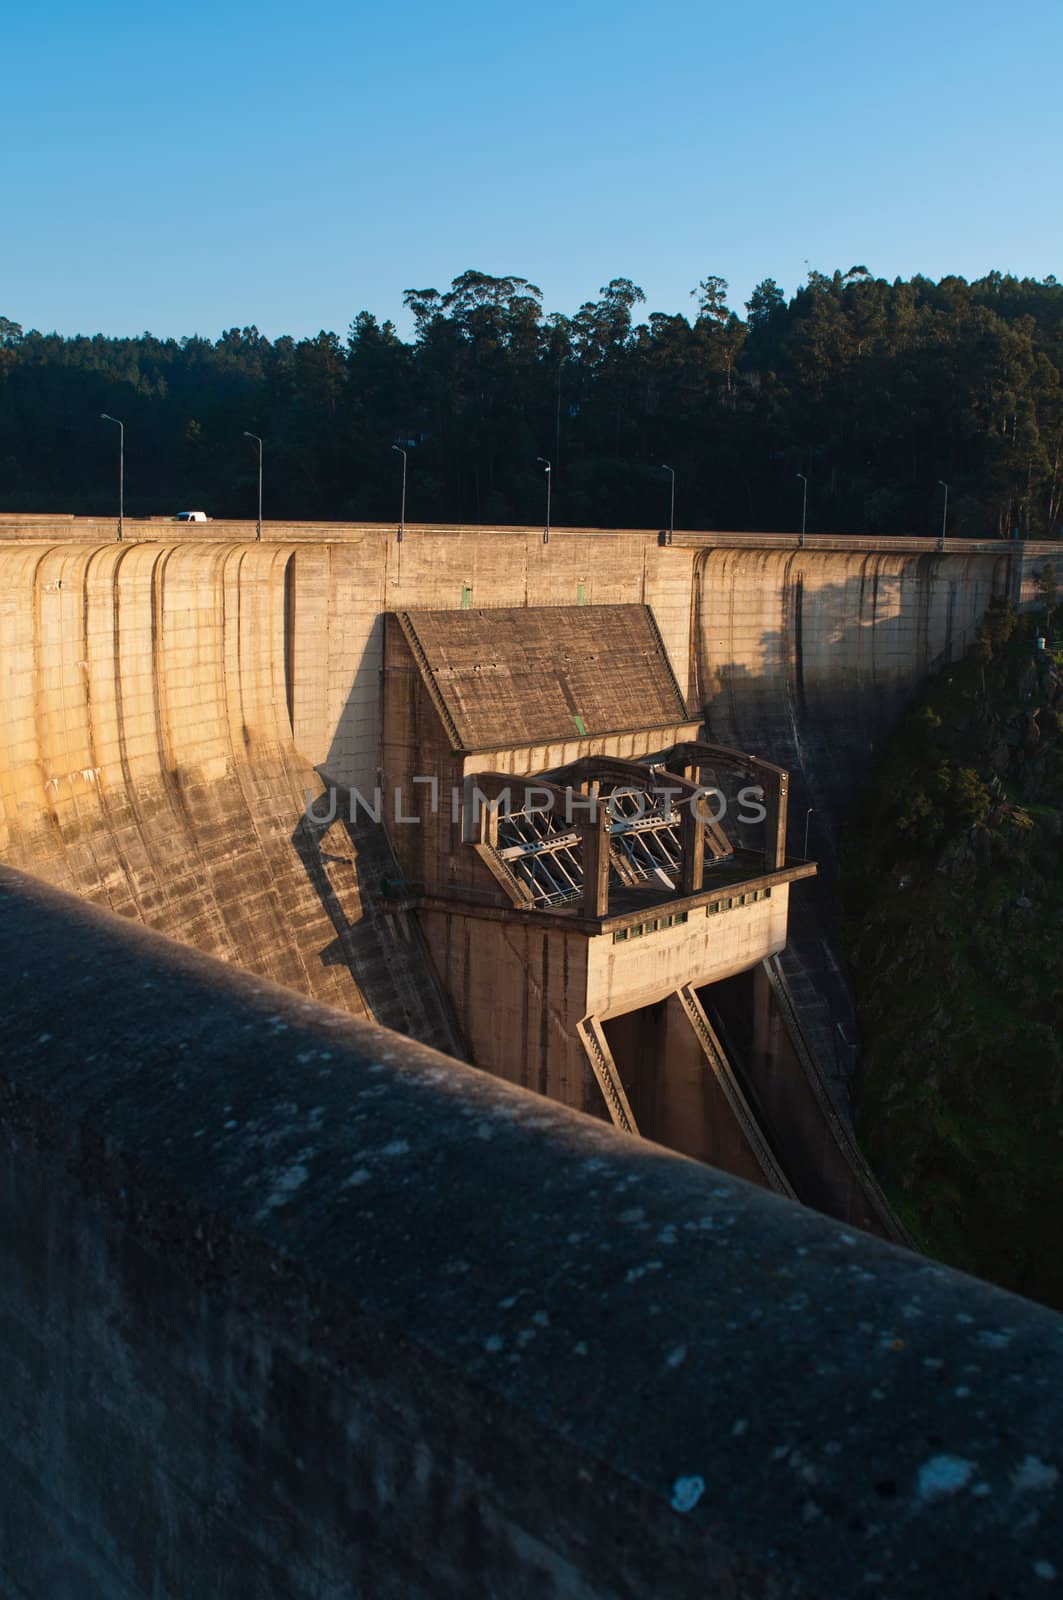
[
  {"x": 295, "y": 1305},
  {"x": 169, "y": 702},
  {"x": 165, "y": 705},
  {"x": 809, "y": 657},
  {"x": 361, "y": 1320},
  {"x": 745, "y": 619},
  {"x": 147, "y": 763}
]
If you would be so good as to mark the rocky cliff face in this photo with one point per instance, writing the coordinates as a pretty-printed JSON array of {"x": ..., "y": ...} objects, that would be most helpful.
[{"x": 953, "y": 887}]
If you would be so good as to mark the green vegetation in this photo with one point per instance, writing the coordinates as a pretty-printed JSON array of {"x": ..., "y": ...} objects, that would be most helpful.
[
  {"x": 953, "y": 888},
  {"x": 875, "y": 390}
]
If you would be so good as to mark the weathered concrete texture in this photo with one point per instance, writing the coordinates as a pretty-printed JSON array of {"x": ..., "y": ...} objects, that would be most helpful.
[
  {"x": 147, "y": 761},
  {"x": 790, "y": 1096},
  {"x": 710, "y": 946},
  {"x": 675, "y": 1097},
  {"x": 521, "y": 676},
  {"x": 519, "y": 991},
  {"x": 344, "y": 578},
  {"x": 809, "y": 656},
  {"x": 165, "y": 700},
  {"x": 755, "y": 617},
  {"x": 294, "y": 1308}
]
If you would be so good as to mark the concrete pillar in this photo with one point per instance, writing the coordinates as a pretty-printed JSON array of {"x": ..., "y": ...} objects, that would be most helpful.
[
  {"x": 776, "y": 786},
  {"x": 594, "y": 843},
  {"x": 692, "y": 843},
  {"x": 489, "y": 824}
]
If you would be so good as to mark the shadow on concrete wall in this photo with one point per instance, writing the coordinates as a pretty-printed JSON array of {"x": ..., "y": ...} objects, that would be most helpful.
[
  {"x": 351, "y": 869},
  {"x": 354, "y": 747},
  {"x": 830, "y": 683},
  {"x": 828, "y": 688}
]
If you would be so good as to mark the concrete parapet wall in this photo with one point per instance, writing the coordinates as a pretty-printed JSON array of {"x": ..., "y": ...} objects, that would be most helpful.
[{"x": 295, "y": 1308}]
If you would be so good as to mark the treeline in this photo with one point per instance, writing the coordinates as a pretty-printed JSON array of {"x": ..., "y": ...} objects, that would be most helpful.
[{"x": 874, "y": 390}]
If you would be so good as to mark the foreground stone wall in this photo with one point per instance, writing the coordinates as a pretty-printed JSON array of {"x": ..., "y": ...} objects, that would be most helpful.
[{"x": 293, "y": 1308}]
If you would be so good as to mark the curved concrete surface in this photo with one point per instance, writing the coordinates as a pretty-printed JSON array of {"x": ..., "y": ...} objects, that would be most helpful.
[
  {"x": 808, "y": 656},
  {"x": 146, "y": 754}
]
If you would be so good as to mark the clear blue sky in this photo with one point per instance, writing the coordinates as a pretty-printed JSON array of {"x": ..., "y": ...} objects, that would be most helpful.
[{"x": 189, "y": 168}]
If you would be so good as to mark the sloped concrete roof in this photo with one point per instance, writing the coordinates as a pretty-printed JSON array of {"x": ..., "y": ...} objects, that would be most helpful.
[{"x": 517, "y": 675}]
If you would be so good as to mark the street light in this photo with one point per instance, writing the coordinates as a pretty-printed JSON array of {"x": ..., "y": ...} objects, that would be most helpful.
[
  {"x": 945, "y": 513},
  {"x": 402, "y": 511},
  {"x": 804, "y": 505},
  {"x": 106, "y": 417},
  {"x": 546, "y": 469},
  {"x": 671, "y": 518},
  {"x": 258, "y": 441},
  {"x": 808, "y": 817}
]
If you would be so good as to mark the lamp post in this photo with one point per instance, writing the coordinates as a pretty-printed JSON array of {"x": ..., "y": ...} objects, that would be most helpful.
[
  {"x": 402, "y": 508},
  {"x": 546, "y": 469},
  {"x": 106, "y": 417},
  {"x": 945, "y": 513},
  {"x": 671, "y": 515},
  {"x": 804, "y": 505},
  {"x": 808, "y": 818},
  {"x": 258, "y": 441}
]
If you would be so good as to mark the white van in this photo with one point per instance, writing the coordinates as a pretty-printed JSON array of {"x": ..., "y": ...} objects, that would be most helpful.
[{"x": 191, "y": 516}]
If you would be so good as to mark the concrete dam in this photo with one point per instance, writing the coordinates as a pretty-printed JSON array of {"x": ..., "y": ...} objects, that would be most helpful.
[
  {"x": 179, "y": 710},
  {"x": 173, "y": 703},
  {"x": 297, "y": 1302}
]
